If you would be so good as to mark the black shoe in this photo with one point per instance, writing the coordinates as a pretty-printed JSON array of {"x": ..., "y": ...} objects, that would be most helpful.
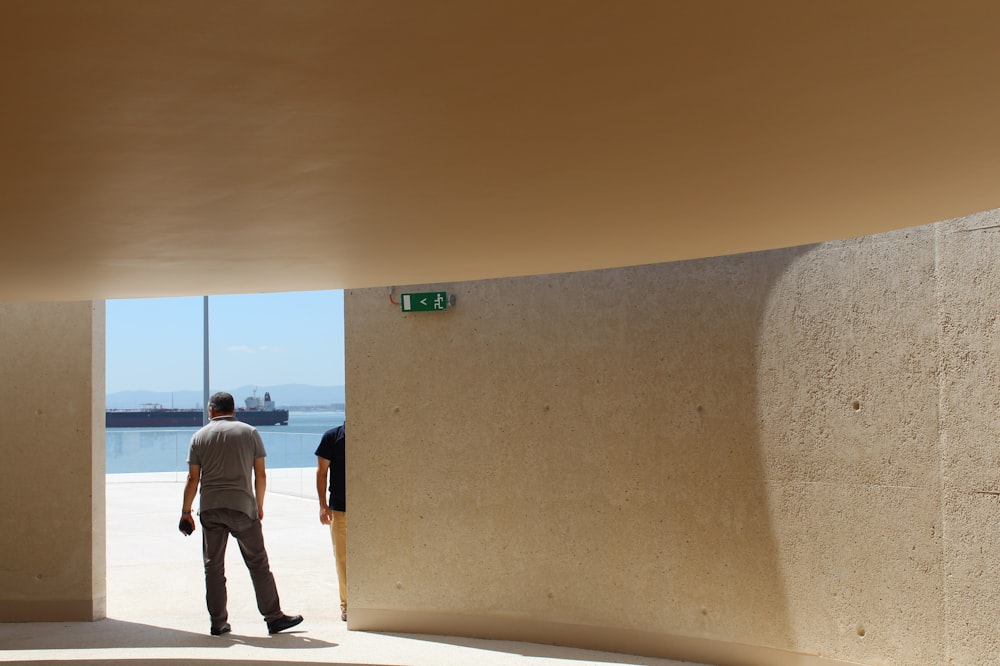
[
  {"x": 224, "y": 629},
  {"x": 282, "y": 623}
]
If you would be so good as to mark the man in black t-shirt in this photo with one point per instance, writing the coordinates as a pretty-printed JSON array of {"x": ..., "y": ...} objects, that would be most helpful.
[{"x": 330, "y": 463}]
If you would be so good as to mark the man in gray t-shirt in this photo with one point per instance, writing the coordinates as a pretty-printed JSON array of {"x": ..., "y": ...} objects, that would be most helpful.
[{"x": 227, "y": 459}]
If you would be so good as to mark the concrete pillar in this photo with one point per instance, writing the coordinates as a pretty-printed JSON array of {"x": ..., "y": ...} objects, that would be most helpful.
[{"x": 53, "y": 564}]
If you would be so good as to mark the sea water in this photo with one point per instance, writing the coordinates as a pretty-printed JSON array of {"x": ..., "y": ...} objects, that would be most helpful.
[{"x": 166, "y": 449}]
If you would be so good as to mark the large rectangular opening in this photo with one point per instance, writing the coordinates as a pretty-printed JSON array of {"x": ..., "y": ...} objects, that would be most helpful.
[{"x": 276, "y": 353}]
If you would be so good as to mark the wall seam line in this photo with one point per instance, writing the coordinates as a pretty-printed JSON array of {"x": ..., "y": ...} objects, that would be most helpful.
[{"x": 942, "y": 444}]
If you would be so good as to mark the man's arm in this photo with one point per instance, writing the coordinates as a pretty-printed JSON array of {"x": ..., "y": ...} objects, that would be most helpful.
[
  {"x": 322, "y": 472},
  {"x": 259, "y": 485},
  {"x": 190, "y": 490}
]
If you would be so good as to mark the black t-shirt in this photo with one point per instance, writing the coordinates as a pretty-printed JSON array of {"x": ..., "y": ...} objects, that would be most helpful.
[{"x": 331, "y": 447}]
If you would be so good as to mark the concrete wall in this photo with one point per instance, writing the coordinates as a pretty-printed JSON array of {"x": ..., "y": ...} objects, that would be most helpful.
[
  {"x": 744, "y": 460},
  {"x": 969, "y": 362},
  {"x": 52, "y": 565}
]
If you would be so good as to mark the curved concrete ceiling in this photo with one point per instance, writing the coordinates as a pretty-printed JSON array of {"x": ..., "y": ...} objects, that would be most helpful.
[{"x": 182, "y": 148}]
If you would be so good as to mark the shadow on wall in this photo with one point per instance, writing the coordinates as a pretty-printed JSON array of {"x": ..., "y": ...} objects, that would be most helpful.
[
  {"x": 579, "y": 448},
  {"x": 849, "y": 402}
]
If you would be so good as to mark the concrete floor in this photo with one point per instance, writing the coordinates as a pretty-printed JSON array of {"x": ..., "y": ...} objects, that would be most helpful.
[{"x": 156, "y": 611}]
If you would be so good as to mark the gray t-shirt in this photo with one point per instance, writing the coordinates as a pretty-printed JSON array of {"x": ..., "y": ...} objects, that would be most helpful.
[{"x": 225, "y": 449}]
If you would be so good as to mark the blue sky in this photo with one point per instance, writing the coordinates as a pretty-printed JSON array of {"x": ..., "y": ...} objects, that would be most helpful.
[{"x": 263, "y": 340}]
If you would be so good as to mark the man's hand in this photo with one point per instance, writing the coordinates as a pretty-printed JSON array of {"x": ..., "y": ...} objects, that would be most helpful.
[
  {"x": 322, "y": 469},
  {"x": 260, "y": 511},
  {"x": 186, "y": 517},
  {"x": 190, "y": 490}
]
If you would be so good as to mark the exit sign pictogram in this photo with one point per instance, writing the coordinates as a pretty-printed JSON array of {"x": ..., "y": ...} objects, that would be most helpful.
[{"x": 424, "y": 302}]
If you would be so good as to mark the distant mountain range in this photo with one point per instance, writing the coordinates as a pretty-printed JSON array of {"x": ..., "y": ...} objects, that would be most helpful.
[{"x": 285, "y": 396}]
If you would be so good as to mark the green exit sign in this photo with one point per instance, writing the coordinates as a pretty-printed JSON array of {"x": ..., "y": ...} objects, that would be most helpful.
[{"x": 424, "y": 302}]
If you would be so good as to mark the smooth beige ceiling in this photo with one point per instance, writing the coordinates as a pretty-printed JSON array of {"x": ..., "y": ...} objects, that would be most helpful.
[{"x": 154, "y": 147}]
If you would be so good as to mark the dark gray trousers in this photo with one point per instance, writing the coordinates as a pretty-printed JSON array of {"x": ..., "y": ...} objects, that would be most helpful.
[{"x": 217, "y": 525}]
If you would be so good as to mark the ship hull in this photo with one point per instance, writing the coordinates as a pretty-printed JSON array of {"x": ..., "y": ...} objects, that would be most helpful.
[{"x": 186, "y": 418}]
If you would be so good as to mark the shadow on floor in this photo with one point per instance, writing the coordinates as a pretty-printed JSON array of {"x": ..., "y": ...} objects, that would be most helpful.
[
  {"x": 537, "y": 650},
  {"x": 185, "y": 661},
  {"x": 112, "y": 633}
]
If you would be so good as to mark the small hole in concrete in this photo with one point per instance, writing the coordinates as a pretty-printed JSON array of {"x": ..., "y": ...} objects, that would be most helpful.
[
  {"x": 856, "y": 406},
  {"x": 861, "y": 630}
]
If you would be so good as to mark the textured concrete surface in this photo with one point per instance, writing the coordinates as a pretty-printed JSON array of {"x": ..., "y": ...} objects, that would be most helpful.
[
  {"x": 969, "y": 358},
  {"x": 793, "y": 449},
  {"x": 51, "y": 482},
  {"x": 847, "y": 394}
]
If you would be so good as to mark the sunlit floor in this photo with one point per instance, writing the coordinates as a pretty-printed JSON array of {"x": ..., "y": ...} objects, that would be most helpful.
[{"x": 156, "y": 611}]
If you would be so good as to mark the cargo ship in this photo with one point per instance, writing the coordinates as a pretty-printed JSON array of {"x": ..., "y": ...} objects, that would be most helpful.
[{"x": 153, "y": 415}]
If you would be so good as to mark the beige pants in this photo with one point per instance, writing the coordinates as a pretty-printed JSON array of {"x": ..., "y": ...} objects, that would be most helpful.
[{"x": 338, "y": 533}]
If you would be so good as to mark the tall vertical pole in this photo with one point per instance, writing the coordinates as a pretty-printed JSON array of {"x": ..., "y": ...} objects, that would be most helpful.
[{"x": 204, "y": 402}]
